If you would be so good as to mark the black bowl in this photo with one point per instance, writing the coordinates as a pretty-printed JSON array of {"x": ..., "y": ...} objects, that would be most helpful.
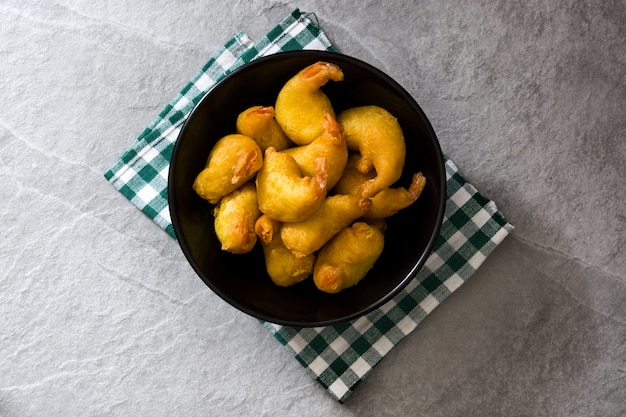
[{"x": 241, "y": 280}]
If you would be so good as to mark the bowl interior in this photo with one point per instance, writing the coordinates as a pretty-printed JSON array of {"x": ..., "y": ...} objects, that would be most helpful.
[{"x": 241, "y": 280}]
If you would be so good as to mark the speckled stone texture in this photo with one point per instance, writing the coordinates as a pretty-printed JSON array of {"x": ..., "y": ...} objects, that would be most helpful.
[{"x": 101, "y": 315}]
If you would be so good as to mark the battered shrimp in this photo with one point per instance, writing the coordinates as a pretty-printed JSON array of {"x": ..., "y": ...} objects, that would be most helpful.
[
  {"x": 284, "y": 193},
  {"x": 235, "y": 216},
  {"x": 233, "y": 161},
  {"x": 377, "y": 135},
  {"x": 337, "y": 212},
  {"x": 352, "y": 178},
  {"x": 282, "y": 266},
  {"x": 330, "y": 145},
  {"x": 391, "y": 200},
  {"x": 386, "y": 202},
  {"x": 258, "y": 122},
  {"x": 301, "y": 105},
  {"x": 346, "y": 259}
]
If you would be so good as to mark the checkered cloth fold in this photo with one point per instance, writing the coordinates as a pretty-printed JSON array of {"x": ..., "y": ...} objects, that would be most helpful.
[{"x": 340, "y": 356}]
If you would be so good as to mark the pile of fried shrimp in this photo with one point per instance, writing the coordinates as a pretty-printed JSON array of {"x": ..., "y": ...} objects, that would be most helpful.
[{"x": 313, "y": 187}]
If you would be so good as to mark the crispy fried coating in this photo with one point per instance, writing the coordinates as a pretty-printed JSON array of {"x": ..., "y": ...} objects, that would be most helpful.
[
  {"x": 258, "y": 122},
  {"x": 235, "y": 216},
  {"x": 386, "y": 202},
  {"x": 233, "y": 161},
  {"x": 330, "y": 145},
  {"x": 301, "y": 104},
  {"x": 337, "y": 212},
  {"x": 391, "y": 200},
  {"x": 380, "y": 224},
  {"x": 347, "y": 258},
  {"x": 284, "y": 193},
  {"x": 352, "y": 178},
  {"x": 377, "y": 135},
  {"x": 282, "y": 266}
]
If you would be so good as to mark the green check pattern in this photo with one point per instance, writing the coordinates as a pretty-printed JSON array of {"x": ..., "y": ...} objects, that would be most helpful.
[{"x": 339, "y": 357}]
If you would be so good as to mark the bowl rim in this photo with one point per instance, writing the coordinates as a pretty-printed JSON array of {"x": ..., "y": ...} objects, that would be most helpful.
[{"x": 417, "y": 266}]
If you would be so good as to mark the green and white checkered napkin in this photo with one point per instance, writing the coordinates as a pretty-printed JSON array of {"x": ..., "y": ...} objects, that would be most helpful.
[{"x": 339, "y": 356}]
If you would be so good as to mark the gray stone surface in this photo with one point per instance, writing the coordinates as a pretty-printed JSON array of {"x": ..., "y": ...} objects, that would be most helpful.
[{"x": 101, "y": 315}]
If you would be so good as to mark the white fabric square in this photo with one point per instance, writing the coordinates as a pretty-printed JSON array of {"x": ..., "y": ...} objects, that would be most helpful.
[
  {"x": 272, "y": 49},
  {"x": 127, "y": 175},
  {"x": 457, "y": 240},
  {"x": 385, "y": 308},
  {"x": 409, "y": 287},
  {"x": 339, "y": 345},
  {"x": 165, "y": 172},
  {"x": 383, "y": 345},
  {"x": 150, "y": 154},
  {"x": 318, "y": 366},
  {"x": 429, "y": 303},
  {"x": 499, "y": 235},
  {"x": 477, "y": 259},
  {"x": 461, "y": 196},
  {"x": 182, "y": 103},
  {"x": 172, "y": 134},
  {"x": 147, "y": 194},
  {"x": 165, "y": 214},
  {"x": 316, "y": 45},
  {"x": 406, "y": 325},
  {"x": 434, "y": 261},
  {"x": 360, "y": 367},
  {"x": 204, "y": 82},
  {"x": 454, "y": 282},
  {"x": 481, "y": 218},
  {"x": 297, "y": 343},
  {"x": 226, "y": 59},
  {"x": 362, "y": 324},
  {"x": 338, "y": 388}
]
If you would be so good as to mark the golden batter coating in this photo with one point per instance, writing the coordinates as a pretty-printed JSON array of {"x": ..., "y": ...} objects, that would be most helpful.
[
  {"x": 347, "y": 258},
  {"x": 284, "y": 193},
  {"x": 377, "y": 135},
  {"x": 386, "y": 202},
  {"x": 391, "y": 200},
  {"x": 235, "y": 216},
  {"x": 352, "y": 178},
  {"x": 337, "y": 212},
  {"x": 282, "y": 266},
  {"x": 258, "y": 122},
  {"x": 301, "y": 105},
  {"x": 330, "y": 145},
  {"x": 232, "y": 162},
  {"x": 380, "y": 224}
]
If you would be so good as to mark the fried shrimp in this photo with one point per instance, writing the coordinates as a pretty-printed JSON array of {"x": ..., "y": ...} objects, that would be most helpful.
[
  {"x": 282, "y": 266},
  {"x": 258, "y": 122},
  {"x": 233, "y": 161},
  {"x": 378, "y": 137},
  {"x": 284, "y": 193},
  {"x": 330, "y": 145},
  {"x": 337, "y": 212},
  {"x": 391, "y": 200},
  {"x": 235, "y": 217},
  {"x": 301, "y": 104},
  {"x": 346, "y": 259},
  {"x": 387, "y": 201},
  {"x": 352, "y": 178}
]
